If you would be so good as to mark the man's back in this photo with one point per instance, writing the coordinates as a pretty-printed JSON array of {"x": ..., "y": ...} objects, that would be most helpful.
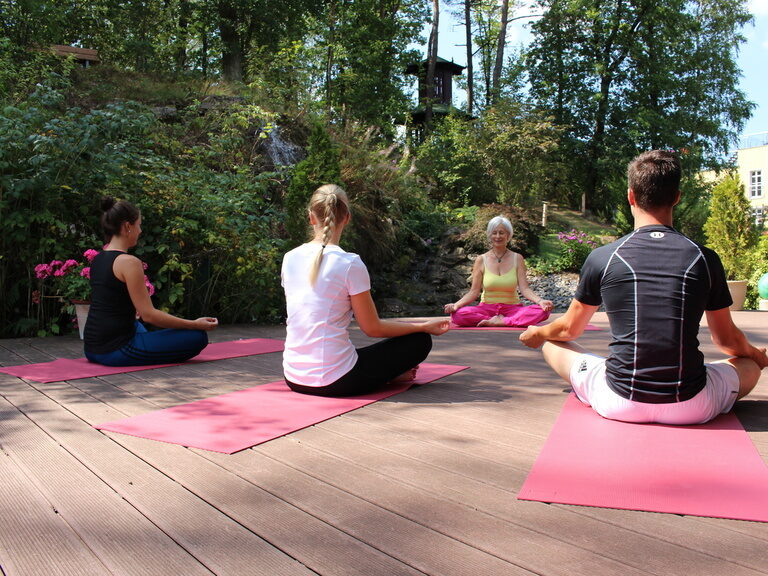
[{"x": 655, "y": 284}]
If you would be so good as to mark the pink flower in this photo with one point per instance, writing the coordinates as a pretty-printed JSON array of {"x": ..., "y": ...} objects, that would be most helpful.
[
  {"x": 67, "y": 265},
  {"x": 90, "y": 254},
  {"x": 149, "y": 285},
  {"x": 144, "y": 265},
  {"x": 36, "y": 296},
  {"x": 42, "y": 271},
  {"x": 86, "y": 271}
]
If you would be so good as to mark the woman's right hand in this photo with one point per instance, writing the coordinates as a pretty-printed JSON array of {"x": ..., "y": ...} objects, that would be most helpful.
[
  {"x": 437, "y": 326},
  {"x": 206, "y": 323},
  {"x": 450, "y": 308}
]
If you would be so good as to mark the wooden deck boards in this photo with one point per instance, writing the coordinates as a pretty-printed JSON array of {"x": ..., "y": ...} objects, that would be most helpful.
[{"x": 421, "y": 483}]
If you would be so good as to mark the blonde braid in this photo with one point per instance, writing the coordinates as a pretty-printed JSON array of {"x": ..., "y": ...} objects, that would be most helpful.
[{"x": 329, "y": 207}]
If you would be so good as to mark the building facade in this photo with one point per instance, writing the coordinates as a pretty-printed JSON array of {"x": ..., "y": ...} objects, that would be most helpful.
[{"x": 752, "y": 165}]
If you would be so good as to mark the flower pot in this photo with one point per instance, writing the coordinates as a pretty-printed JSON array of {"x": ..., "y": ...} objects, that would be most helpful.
[
  {"x": 81, "y": 310},
  {"x": 738, "y": 289}
]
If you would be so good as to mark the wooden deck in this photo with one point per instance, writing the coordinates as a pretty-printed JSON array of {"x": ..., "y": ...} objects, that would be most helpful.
[{"x": 421, "y": 483}]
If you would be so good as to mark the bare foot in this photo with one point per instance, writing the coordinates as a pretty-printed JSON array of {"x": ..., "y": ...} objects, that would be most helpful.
[
  {"x": 408, "y": 376},
  {"x": 495, "y": 321}
]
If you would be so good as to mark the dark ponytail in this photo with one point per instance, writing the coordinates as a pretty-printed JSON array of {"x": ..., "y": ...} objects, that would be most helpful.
[{"x": 114, "y": 213}]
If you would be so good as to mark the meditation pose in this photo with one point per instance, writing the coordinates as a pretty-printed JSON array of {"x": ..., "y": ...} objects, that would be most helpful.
[
  {"x": 113, "y": 336},
  {"x": 324, "y": 286},
  {"x": 655, "y": 284},
  {"x": 499, "y": 273}
]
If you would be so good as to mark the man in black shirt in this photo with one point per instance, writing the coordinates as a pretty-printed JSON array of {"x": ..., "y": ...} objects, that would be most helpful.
[{"x": 655, "y": 284}]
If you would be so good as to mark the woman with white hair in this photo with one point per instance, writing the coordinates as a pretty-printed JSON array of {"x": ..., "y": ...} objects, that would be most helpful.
[{"x": 497, "y": 277}]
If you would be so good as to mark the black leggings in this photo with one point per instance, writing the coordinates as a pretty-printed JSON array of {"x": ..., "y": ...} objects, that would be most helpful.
[{"x": 376, "y": 365}]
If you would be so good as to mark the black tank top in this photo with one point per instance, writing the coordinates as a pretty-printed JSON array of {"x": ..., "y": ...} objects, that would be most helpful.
[{"x": 112, "y": 317}]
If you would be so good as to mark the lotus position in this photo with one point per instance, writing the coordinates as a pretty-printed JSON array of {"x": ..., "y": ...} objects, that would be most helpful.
[
  {"x": 113, "y": 336},
  {"x": 655, "y": 284},
  {"x": 324, "y": 287},
  {"x": 499, "y": 273}
]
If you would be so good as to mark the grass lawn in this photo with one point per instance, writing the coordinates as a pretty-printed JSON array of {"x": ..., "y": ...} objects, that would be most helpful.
[{"x": 564, "y": 220}]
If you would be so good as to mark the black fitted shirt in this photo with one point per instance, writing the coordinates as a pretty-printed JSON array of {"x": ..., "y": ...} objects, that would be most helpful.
[
  {"x": 655, "y": 284},
  {"x": 112, "y": 316}
]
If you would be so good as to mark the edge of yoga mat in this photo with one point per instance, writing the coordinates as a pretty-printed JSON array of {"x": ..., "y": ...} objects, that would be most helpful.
[
  {"x": 238, "y": 420},
  {"x": 509, "y": 328},
  {"x": 63, "y": 369},
  {"x": 710, "y": 470}
]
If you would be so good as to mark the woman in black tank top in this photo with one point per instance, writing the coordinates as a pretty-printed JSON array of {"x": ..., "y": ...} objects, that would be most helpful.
[{"x": 113, "y": 336}]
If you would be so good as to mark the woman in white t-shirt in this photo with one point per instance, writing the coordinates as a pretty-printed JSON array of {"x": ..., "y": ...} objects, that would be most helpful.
[{"x": 324, "y": 287}]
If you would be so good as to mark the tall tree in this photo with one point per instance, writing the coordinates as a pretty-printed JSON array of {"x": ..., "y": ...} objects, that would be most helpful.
[
  {"x": 501, "y": 43},
  {"x": 470, "y": 56},
  {"x": 356, "y": 56},
  {"x": 624, "y": 75},
  {"x": 431, "y": 63}
]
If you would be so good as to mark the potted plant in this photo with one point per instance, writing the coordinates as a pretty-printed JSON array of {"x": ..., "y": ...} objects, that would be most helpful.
[
  {"x": 731, "y": 232},
  {"x": 70, "y": 283}
]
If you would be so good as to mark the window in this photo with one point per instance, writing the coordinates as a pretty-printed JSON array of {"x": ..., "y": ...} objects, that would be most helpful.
[{"x": 755, "y": 183}]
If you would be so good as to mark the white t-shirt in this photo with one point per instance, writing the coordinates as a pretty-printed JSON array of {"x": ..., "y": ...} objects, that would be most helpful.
[{"x": 317, "y": 347}]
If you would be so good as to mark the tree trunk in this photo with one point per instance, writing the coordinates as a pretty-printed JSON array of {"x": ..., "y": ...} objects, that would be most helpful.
[
  {"x": 431, "y": 62},
  {"x": 231, "y": 51},
  {"x": 500, "y": 45},
  {"x": 470, "y": 54},
  {"x": 181, "y": 42}
]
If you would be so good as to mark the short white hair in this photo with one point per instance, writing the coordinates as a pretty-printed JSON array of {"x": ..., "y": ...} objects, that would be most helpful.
[{"x": 497, "y": 221}]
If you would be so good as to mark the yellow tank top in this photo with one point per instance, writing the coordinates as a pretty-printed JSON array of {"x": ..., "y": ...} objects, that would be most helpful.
[{"x": 500, "y": 289}]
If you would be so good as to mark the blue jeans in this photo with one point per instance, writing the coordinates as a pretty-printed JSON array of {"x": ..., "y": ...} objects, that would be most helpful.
[{"x": 167, "y": 346}]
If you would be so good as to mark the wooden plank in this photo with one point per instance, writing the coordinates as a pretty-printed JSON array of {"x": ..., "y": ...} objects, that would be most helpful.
[
  {"x": 488, "y": 517},
  {"x": 34, "y": 539},
  {"x": 98, "y": 515},
  {"x": 474, "y": 480},
  {"x": 318, "y": 545},
  {"x": 228, "y": 547},
  {"x": 414, "y": 544}
]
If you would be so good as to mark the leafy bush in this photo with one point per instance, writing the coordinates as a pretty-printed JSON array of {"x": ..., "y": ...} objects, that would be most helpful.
[
  {"x": 526, "y": 229},
  {"x": 757, "y": 266},
  {"x": 730, "y": 228},
  {"x": 575, "y": 246}
]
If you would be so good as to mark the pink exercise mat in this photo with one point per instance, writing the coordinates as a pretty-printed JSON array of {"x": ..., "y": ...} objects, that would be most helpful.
[
  {"x": 239, "y": 420},
  {"x": 74, "y": 369},
  {"x": 507, "y": 328},
  {"x": 710, "y": 469}
]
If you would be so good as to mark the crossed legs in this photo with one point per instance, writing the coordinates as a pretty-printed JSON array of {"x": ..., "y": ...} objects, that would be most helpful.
[{"x": 561, "y": 356}]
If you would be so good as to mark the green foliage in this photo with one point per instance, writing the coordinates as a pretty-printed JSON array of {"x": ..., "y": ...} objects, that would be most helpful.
[
  {"x": 526, "y": 229},
  {"x": 730, "y": 228},
  {"x": 321, "y": 166},
  {"x": 385, "y": 199},
  {"x": 757, "y": 263},
  {"x": 575, "y": 246},
  {"x": 507, "y": 157},
  {"x": 626, "y": 77},
  {"x": 52, "y": 162}
]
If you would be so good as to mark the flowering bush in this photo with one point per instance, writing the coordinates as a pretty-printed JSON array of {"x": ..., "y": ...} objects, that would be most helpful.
[
  {"x": 71, "y": 280},
  {"x": 575, "y": 246}
]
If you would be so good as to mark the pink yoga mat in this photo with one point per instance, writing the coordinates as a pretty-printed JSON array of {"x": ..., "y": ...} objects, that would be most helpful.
[
  {"x": 73, "y": 369},
  {"x": 507, "y": 328},
  {"x": 239, "y": 420},
  {"x": 709, "y": 469}
]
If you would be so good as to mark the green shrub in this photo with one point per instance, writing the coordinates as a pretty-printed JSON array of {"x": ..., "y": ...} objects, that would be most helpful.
[
  {"x": 730, "y": 228},
  {"x": 321, "y": 166},
  {"x": 575, "y": 246},
  {"x": 526, "y": 229},
  {"x": 757, "y": 266}
]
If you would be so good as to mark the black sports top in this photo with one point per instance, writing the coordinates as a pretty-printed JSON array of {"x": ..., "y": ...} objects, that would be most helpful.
[
  {"x": 656, "y": 284},
  {"x": 112, "y": 317}
]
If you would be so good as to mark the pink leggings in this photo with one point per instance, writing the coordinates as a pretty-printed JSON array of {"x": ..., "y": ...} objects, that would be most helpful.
[{"x": 514, "y": 314}]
